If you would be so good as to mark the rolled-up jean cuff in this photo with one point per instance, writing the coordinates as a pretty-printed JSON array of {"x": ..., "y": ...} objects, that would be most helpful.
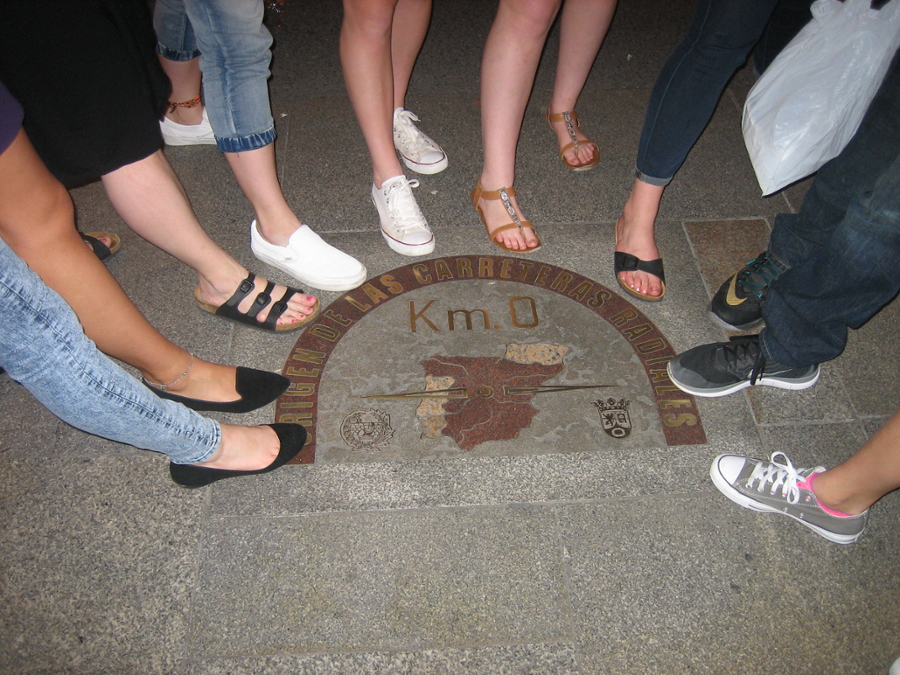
[
  {"x": 651, "y": 180},
  {"x": 245, "y": 143},
  {"x": 175, "y": 55}
]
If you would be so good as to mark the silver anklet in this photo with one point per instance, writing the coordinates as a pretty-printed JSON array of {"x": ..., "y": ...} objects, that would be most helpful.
[{"x": 163, "y": 387}]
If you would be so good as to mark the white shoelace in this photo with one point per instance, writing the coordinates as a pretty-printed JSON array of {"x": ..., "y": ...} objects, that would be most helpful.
[
  {"x": 410, "y": 136},
  {"x": 403, "y": 208},
  {"x": 783, "y": 475}
]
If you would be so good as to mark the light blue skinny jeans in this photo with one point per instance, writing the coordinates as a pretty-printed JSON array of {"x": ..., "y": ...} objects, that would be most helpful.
[
  {"x": 43, "y": 347},
  {"x": 233, "y": 46}
]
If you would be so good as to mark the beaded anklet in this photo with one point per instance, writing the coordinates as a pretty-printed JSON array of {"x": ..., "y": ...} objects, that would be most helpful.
[{"x": 193, "y": 103}]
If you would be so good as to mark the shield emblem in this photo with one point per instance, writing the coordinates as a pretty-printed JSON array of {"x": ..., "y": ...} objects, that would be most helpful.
[{"x": 614, "y": 416}]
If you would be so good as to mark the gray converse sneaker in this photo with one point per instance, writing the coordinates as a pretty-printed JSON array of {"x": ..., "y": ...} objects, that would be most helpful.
[
  {"x": 773, "y": 487},
  {"x": 419, "y": 152},
  {"x": 403, "y": 226}
]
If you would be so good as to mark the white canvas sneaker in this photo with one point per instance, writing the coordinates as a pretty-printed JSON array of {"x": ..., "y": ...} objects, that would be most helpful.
[
  {"x": 403, "y": 226},
  {"x": 310, "y": 260},
  {"x": 419, "y": 152},
  {"x": 187, "y": 134}
]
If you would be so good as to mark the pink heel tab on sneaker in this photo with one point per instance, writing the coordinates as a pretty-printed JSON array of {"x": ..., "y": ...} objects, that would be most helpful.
[{"x": 808, "y": 485}]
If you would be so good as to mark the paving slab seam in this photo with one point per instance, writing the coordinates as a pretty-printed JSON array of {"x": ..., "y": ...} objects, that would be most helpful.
[
  {"x": 570, "y": 644},
  {"x": 550, "y": 504}
]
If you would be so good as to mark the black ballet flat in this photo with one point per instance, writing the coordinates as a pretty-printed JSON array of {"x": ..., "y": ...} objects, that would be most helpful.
[
  {"x": 292, "y": 437},
  {"x": 256, "y": 387}
]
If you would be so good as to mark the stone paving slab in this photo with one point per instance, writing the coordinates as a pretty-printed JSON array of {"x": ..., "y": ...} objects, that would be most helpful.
[
  {"x": 402, "y": 580},
  {"x": 701, "y": 577},
  {"x": 98, "y": 560}
]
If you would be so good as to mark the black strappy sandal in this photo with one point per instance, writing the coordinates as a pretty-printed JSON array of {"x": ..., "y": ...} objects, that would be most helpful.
[
  {"x": 100, "y": 249},
  {"x": 229, "y": 309}
]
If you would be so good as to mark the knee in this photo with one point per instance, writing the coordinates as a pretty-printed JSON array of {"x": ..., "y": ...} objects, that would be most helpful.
[
  {"x": 373, "y": 18},
  {"x": 529, "y": 18}
]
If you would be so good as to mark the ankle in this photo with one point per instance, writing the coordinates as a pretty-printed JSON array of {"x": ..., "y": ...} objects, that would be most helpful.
[
  {"x": 170, "y": 382},
  {"x": 836, "y": 501},
  {"x": 188, "y": 113}
]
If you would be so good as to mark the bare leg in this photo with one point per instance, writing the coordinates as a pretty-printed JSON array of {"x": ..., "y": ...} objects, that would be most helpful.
[
  {"x": 510, "y": 62},
  {"x": 872, "y": 472},
  {"x": 635, "y": 234},
  {"x": 366, "y": 59},
  {"x": 37, "y": 221},
  {"x": 150, "y": 198},
  {"x": 583, "y": 27},
  {"x": 256, "y": 174},
  {"x": 411, "y": 18},
  {"x": 185, "y": 77}
]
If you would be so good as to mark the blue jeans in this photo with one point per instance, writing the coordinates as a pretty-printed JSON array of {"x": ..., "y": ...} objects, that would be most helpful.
[
  {"x": 689, "y": 86},
  {"x": 841, "y": 252},
  {"x": 233, "y": 46},
  {"x": 43, "y": 347}
]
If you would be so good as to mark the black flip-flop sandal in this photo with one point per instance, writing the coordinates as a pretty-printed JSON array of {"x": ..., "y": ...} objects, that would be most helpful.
[
  {"x": 100, "y": 249},
  {"x": 625, "y": 262},
  {"x": 229, "y": 309}
]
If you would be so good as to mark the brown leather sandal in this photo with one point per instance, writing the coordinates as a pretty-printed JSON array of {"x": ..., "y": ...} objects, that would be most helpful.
[
  {"x": 503, "y": 194},
  {"x": 570, "y": 117}
]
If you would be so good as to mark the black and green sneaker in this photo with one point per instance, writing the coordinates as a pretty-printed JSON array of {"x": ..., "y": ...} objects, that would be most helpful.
[{"x": 738, "y": 303}]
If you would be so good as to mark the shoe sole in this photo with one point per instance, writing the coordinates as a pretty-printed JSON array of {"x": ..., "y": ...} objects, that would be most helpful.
[
  {"x": 741, "y": 499},
  {"x": 336, "y": 285},
  {"x": 792, "y": 384},
  {"x": 721, "y": 323},
  {"x": 426, "y": 169},
  {"x": 407, "y": 249}
]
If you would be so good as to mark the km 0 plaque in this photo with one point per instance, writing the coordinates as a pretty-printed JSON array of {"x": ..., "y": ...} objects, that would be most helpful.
[{"x": 482, "y": 355}]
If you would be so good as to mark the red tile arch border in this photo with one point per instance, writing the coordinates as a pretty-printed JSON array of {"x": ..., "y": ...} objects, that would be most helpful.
[{"x": 679, "y": 417}]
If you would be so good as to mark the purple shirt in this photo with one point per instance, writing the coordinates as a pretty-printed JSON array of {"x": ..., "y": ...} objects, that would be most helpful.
[{"x": 10, "y": 118}]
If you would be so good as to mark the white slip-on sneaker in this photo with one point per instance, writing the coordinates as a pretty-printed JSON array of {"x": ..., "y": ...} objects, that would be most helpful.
[
  {"x": 310, "y": 260},
  {"x": 403, "y": 226},
  {"x": 187, "y": 134},
  {"x": 418, "y": 151}
]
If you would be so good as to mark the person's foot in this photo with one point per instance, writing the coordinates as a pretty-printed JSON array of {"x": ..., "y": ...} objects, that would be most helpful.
[
  {"x": 241, "y": 449},
  {"x": 776, "y": 487},
  {"x": 639, "y": 242},
  {"x": 175, "y": 133},
  {"x": 244, "y": 449},
  {"x": 300, "y": 306},
  {"x": 309, "y": 259},
  {"x": 419, "y": 152},
  {"x": 494, "y": 213},
  {"x": 738, "y": 304},
  {"x": 403, "y": 226},
  {"x": 723, "y": 368},
  {"x": 581, "y": 154}
]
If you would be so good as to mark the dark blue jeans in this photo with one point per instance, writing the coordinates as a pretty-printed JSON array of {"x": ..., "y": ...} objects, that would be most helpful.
[
  {"x": 690, "y": 84},
  {"x": 841, "y": 252}
]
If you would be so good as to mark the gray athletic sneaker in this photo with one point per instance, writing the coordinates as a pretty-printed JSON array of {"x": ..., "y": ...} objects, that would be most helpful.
[
  {"x": 773, "y": 487},
  {"x": 722, "y": 368}
]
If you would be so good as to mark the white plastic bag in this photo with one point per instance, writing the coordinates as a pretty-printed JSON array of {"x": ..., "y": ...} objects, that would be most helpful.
[{"x": 810, "y": 101}]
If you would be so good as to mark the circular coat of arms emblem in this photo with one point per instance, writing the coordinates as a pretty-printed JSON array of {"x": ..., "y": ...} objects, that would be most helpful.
[{"x": 367, "y": 429}]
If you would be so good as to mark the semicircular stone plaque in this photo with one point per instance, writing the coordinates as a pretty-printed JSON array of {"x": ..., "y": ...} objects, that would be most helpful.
[{"x": 482, "y": 355}]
